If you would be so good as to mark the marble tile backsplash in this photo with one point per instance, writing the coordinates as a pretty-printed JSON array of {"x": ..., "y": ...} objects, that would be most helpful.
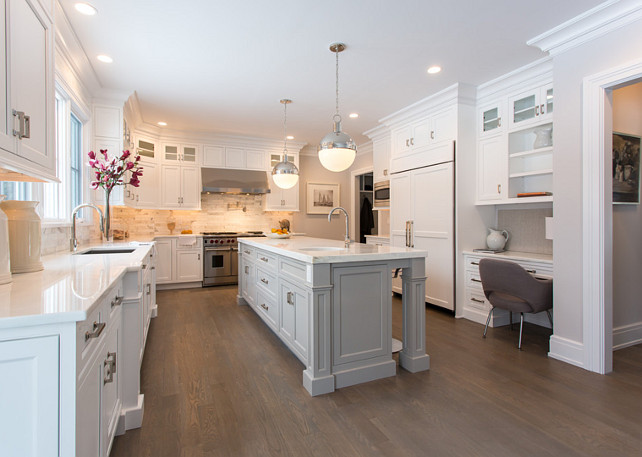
[
  {"x": 56, "y": 239},
  {"x": 527, "y": 229}
]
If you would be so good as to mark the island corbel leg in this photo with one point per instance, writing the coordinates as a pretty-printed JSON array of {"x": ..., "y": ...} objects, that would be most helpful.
[
  {"x": 317, "y": 377},
  {"x": 413, "y": 356}
]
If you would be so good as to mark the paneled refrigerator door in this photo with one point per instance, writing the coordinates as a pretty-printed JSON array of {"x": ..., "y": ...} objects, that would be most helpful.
[{"x": 400, "y": 214}]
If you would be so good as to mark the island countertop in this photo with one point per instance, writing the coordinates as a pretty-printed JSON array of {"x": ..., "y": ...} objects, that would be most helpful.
[
  {"x": 320, "y": 250},
  {"x": 68, "y": 287}
]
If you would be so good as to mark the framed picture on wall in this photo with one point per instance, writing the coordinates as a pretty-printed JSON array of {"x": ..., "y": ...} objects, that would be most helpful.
[
  {"x": 321, "y": 198},
  {"x": 626, "y": 168}
]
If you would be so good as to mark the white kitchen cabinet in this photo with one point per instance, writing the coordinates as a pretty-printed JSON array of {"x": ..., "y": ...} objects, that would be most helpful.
[
  {"x": 146, "y": 148},
  {"x": 213, "y": 156},
  {"x": 244, "y": 158},
  {"x": 436, "y": 128},
  {"x": 27, "y": 95},
  {"x": 179, "y": 260},
  {"x": 491, "y": 118},
  {"x": 164, "y": 259},
  {"x": 491, "y": 169},
  {"x": 107, "y": 133},
  {"x": 180, "y": 187},
  {"x": 422, "y": 216},
  {"x": 381, "y": 158},
  {"x": 188, "y": 154},
  {"x": 146, "y": 195},
  {"x": 88, "y": 408},
  {"x": 281, "y": 199},
  {"x": 535, "y": 105},
  {"x": 110, "y": 395},
  {"x": 31, "y": 393}
]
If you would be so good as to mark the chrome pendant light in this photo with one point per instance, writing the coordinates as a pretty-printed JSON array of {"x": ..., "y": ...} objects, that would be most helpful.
[
  {"x": 337, "y": 150},
  {"x": 285, "y": 174}
]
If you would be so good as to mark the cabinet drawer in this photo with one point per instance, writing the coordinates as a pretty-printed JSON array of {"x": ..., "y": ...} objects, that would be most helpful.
[
  {"x": 473, "y": 281},
  {"x": 248, "y": 252},
  {"x": 263, "y": 258},
  {"x": 266, "y": 281},
  {"x": 293, "y": 269},
  {"x": 477, "y": 300},
  {"x": 266, "y": 308}
]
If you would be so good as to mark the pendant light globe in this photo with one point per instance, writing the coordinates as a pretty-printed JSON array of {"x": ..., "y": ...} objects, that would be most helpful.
[
  {"x": 285, "y": 174},
  {"x": 337, "y": 149}
]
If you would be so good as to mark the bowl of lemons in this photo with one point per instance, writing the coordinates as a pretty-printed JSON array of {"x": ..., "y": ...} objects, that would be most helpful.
[{"x": 277, "y": 233}]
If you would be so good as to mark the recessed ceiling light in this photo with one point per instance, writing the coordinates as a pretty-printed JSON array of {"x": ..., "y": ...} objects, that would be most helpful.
[
  {"x": 353, "y": 115},
  {"x": 162, "y": 124},
  {"x": 434, "y": 69},
  {"x": 104, "y": 58},
  {"x": 290, "y": 137},
  {"x": 86, "y": 9}
]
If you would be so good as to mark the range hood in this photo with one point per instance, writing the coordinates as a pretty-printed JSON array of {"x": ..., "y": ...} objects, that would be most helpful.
[{"x": 226, "y": 181}]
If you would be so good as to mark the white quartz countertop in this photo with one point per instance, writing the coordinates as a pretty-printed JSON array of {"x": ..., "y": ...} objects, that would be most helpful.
[
  {"x": 330, "y": 251},
  {"x": 516, "y": 255},
  {"x": 68, "y": 287}
]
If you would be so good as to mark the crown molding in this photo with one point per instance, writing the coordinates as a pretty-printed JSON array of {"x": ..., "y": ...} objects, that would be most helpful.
[
  {"x": 596, "y": 22},
  {"x": 377, "y": 132},
  {"x": 536, "y": 73}
]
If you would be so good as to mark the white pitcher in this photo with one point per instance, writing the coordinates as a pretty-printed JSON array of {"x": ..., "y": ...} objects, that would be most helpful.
[{"x": 496, "y": 239}]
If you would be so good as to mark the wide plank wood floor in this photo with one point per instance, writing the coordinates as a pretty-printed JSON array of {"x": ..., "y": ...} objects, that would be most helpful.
[{"x": 218, "y": 382}]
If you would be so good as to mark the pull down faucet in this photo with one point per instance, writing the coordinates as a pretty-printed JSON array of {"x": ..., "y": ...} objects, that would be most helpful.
[
  {"x": 74, "y": 241},
  {"x": 347, "y": 237}
]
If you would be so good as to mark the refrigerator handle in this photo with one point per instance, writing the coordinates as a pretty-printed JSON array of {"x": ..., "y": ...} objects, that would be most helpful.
[
  {"x": 407, "y": 234},
  {"x": 412, "y": 234}
]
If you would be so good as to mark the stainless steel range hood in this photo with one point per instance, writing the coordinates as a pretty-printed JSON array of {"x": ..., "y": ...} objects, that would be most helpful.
[{"x": 226, "y": 181}]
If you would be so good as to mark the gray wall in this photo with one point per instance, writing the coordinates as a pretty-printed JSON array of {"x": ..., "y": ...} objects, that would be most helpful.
[
  {"x": 627, "y": 221},
  {"x": 603, "y": 53}
]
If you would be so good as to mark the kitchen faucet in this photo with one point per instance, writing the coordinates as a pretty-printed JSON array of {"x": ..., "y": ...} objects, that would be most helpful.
[
  {"x": 74, "y": 241},
  {"x": 347, "y": 238}
]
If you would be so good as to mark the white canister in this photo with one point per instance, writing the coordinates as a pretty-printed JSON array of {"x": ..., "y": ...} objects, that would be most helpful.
[
  {"x": 24, "y": 235},
  {"x": 5, "y": 265}
]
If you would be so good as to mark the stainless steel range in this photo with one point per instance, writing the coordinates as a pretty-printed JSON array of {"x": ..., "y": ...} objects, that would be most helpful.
[{"x": 220, "y": 257}]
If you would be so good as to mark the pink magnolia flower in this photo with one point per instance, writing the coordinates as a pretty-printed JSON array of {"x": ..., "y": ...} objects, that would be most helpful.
[{"x": 111, "y": 172}]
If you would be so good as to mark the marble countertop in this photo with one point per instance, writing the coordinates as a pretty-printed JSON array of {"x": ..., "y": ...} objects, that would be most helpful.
[
  {"x": 527, "y": 256},
  {"x": 68, "y": 287},
  {"x": 299, "y": 248}
]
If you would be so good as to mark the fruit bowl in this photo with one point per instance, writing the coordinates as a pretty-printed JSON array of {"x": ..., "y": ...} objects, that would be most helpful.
[{"x": 276, "y": 235}]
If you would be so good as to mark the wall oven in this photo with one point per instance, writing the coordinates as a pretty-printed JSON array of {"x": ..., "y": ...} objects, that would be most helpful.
[{"x": 382, "y": 194}]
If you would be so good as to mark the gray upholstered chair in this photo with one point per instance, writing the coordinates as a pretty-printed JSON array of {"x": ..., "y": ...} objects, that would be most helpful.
[{"x": 508, "y": 286}]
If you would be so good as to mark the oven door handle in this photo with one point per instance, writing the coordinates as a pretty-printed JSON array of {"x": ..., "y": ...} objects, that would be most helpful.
[{"x": 217, "y": 249}]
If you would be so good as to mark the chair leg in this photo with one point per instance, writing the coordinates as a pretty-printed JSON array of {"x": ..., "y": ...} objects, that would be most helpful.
[
  {"x": 510, "y": 317},
  {"x": 490, "y": 313},
  {"x": 521, "y": 328},
  {"x": 550, "y": 318}
]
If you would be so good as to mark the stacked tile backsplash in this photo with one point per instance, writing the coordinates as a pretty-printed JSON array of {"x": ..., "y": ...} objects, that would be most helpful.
[
  {"x": 223, "y": 213},
  {"x": 56, "y": 239},
  {"x": 527, "y": 229}
]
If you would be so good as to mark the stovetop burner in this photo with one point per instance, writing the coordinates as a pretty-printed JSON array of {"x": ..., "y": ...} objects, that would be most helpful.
[{"x": 219, "y": 233}]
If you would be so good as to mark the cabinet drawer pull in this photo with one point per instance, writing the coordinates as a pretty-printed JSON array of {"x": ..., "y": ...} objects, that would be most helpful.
[
  {"x": 264, "y": 306},
  {"x": 541, "y": 109},
  {"x": 98, "y": 329},
  {"x": 153, "y": 268},
  {"x": 499, "y": 122},
  {"x": 407, "y": 142},
  {"x": 117, "y": 301},
  {"x": 477, "y": 300},
  {"x": 264, "y": 281},
  {"x": 432, "y": 134},
  {"x": 474, "y": 263},
  {"x": 247, "y": 270},
  {"x": 264, "y": 259},
  {"x": 475, "y": 280},
  {"x": 536, "y": 110},
  {"x": 247, "y": 252},
  {"x": 290, "y": 298},
  {"x": 144, "y": 266},
  {"x": 412, "y": 141},
  {"x": 532, "y": 271},
  {"x": 149, "y": 289},
  {"x": 499, "y": 188}
]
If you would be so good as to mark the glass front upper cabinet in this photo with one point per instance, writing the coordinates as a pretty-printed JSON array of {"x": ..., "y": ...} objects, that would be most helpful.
[{"x": 532, "y": 106}]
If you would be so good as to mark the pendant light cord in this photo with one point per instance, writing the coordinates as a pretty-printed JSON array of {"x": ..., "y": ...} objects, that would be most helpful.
[
  {"x": 285, "y": 136},
  {"x": 337, "y": 79}
]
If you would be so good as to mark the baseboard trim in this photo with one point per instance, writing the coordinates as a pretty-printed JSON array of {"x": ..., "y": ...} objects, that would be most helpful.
[
  {"x": 627, "y": 335},
  {"x": 566, "y": 350},
  {"x": 180, "y": 285}
]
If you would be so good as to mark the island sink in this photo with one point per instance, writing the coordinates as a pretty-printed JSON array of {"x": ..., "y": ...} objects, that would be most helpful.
[{"x": 107, "y": 251}]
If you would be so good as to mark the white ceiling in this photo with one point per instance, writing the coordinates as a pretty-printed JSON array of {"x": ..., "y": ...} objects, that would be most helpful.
[{"x": 223, "y": 66}]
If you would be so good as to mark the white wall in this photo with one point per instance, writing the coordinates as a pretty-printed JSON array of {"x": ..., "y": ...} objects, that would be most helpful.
[
  {"x": 569, "y": 69},
  {"x": 627, "y": 224}
]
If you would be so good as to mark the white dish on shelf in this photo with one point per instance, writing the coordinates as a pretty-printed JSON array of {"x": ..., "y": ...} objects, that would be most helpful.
[{"x": 276, "y": 235}]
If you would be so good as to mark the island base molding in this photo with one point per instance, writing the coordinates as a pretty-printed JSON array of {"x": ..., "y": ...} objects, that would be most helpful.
[{"x": 131, "y": 418}]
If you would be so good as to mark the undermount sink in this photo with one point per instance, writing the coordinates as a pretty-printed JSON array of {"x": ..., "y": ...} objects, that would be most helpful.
[
  {"x": 323, "y": 248},
  {"x": 108, "y": 251}
]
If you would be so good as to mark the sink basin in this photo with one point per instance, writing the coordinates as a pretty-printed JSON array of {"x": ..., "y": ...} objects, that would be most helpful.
[
  {"x": 108, "y": 251},
  {"x": 323, "y": 248}
]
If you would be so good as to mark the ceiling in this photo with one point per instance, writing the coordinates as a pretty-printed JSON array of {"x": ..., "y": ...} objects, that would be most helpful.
[{"x": 223, "y": 66}]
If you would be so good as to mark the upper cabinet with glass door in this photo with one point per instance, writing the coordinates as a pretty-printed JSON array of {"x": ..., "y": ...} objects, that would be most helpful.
[
  {"x": 185, "y": 154},
  {"x": 146, "y": 148},
  {"x": 491, "y": 118},
  {"x": 534, "y": 106}
]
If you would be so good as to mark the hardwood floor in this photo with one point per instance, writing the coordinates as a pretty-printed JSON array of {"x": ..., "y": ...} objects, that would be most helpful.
[{"x": 218, "y": 382}]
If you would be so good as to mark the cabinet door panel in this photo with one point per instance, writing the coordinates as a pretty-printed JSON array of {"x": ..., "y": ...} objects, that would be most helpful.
[
  {"x": 421, "y": 134},
  {"x": 31, "y": 393},
  {"x": 147, "y": 194},
  {"x": 189, "y": 266},
  {"x": 110, "y": 397},
  {"x": 7, "y": 141},
  {"x": 235, "y": 158},
  {"x": 255, "y": 159},
  {"x": 491, "y": 168},
  {"x": 31, "y": 79},
  {"x": 401, "y": 141},
  {"x": 400, "y": 187},
  {"x": 191, "y": 188},
  {"x": 444, "y": 126},
  {"x": 214, "y": 156},
  {"x": 170, "y": 186},
  {"x": 164, "y": 261}
]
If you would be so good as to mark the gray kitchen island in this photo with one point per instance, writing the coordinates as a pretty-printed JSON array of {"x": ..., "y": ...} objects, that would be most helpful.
[{"x": 332, "y": 305}]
